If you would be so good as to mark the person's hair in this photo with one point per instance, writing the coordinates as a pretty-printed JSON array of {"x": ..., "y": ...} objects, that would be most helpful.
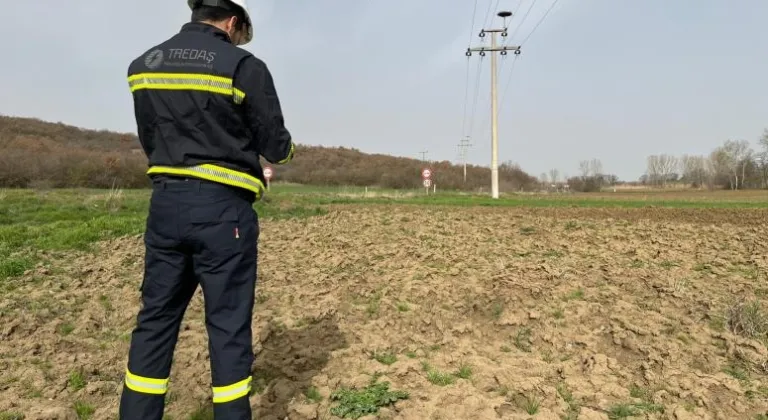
[{"x": 217, "y": 14}]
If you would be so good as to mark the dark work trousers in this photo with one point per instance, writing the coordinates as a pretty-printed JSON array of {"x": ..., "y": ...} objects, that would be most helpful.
[{"x": 203, "y": 233}]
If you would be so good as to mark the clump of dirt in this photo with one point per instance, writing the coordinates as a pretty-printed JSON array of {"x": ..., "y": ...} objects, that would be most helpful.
[{"x": 475, "y": 313}]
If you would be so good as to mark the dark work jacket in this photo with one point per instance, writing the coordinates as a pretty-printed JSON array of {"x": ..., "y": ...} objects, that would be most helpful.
[{"x": 208, "y": 109}]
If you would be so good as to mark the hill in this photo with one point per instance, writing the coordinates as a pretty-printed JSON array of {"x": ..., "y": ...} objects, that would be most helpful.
[{"x": 37, "y": 153}]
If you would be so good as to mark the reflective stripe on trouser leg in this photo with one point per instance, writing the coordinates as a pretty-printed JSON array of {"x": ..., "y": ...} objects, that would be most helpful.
[
  {"x": 225, "y": 394},
  {"x": 145, "y": 385}
]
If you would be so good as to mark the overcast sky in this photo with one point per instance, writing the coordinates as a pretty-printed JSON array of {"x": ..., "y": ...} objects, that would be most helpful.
[{"x": 610, "y": 79}]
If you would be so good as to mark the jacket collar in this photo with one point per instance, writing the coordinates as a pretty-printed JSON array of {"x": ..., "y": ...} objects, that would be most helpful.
[{"x": 206, "y": 29}]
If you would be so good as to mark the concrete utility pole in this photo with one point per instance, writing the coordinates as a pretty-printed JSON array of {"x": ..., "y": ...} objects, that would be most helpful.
[
  {"x": 464, "y": 144},
  {"x": 494, "y": 106}
]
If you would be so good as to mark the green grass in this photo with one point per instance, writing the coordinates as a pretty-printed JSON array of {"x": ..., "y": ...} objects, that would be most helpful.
[
  {"x": 74, "y": 219},
  {"x": 83, "y": 410},
  {"x": 67, "y": 219}
]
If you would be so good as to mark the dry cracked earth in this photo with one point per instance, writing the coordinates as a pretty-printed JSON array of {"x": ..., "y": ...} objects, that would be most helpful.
[{"x": 476, "y": 313}]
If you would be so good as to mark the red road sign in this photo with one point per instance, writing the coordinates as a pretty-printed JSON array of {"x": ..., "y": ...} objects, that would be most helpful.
[
  {"x": 426, "y": 173},
  {"x": 268, "y": 172}
]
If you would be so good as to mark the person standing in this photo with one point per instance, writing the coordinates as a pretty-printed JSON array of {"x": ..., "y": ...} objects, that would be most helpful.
[{"x": 206, "y": 111}]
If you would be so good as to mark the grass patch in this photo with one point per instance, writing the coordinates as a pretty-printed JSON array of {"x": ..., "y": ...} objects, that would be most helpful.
[
  {"x": 532, "y": 405},
  {"x": 574, "y": 407},
  {"x": 464, "y": 372},
  {"x": 202, "y": 413},
  {"x": 76, "y": 380},
  {"x": 748, "y": 319},
  {"x": 437, "y": 377},
  {"x": 355, "y": 403},
  {"x": 523, "y": 339},
  {"x": 313, "y": 395},
  {"x": 74, "y": 219},
  {"x": 11, "y": 415},
  {"x": 577, "y": 294},
  {"x": 385, "y": 358},
  {"x": 66, "y": 328},
  {"x": 83, "y": 410}
]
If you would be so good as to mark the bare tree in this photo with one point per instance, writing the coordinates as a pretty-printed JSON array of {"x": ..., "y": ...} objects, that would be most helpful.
[
  {"x": 554, "y": 176},
  {"x": 720, "y": 165},
  {"x": 596, "y": 167},
  {"x": 694, "y": 170},
  {"x": 653, "y": 169},
  {"x": 761, "y": 158},
  {"x": 667, "y": 166},
  {"x": 738, "y": 154},
  {"x": 584, "y": 169}
]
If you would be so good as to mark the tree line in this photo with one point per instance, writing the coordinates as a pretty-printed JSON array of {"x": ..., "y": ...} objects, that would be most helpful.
[
  {"x": 41, "y": 154},
  {"x": 734, "y": 165}
]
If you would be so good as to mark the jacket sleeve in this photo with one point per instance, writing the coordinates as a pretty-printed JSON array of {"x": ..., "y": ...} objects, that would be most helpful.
[{"x": 262, "y": 111}]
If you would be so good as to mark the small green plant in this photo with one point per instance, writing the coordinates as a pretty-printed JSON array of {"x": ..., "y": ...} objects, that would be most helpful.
[
  {"x": 748, "y": 319},
  {"x": 574, "y": 408},
  {"x": 76, "y": 380},
  {"x": 496, "y": 310},
  {"x": 642, "y": 393},
  {"x": 11, "y": 415},
  {"x": 202, "y": 413},
  {"x": 356, "y": 403},
  {"x": 403, "y": 307},
  {"x": 553, "y": 253},
  {"x": 464, "y": 372},
  {"x": 66, "y": 328},
  {"x": 736, "y": 372},
  {"x": 558, "y": 314},
  {"x": 577, "y": 294},
  {"x": 385, "y": 358},
  {"x": 527, "y": 230},
  {"x": 532, "y": 405},
  {"x": 83, "y": 410},
  {"x": 506, "y": 349},
  {"x": 440, "y": 378},
  {"x": 667, "y": 264},
  {"x": 411, "y": 354},
  {"x": 622, "y": 411},
  {"x": 313, "y": 394},
  {"x": 523, "y": 339},
  {"x": 437, "y": 377}
]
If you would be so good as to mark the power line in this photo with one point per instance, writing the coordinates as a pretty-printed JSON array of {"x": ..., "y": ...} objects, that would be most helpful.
[
  {"x": 488, "y": 13},
  {"x": 540, "y": 20},
  {"x": 509, "y": 80},
  {"x": 466, "y": 85},
  {"x": 477, "y": 93},
  {"x": 520, "y": 25}
]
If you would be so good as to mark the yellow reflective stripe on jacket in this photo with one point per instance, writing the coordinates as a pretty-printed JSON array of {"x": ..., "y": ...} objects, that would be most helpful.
[
  {"x": 213, "y": 173},
  {"x": 145, "y": 385},
  {"x": 290, "y": 156},
  {"x": 184, "y": 81},
  {"x": 223, "y": 394}
]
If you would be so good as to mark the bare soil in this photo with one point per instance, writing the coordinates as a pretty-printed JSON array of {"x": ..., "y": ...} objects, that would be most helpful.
[{"x": 551, "y": 313}]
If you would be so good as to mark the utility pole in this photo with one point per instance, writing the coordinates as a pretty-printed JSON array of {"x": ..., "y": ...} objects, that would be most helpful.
[
  {"x": 464, "y": 144},
  {"x": 494, "y": 106},
  {"x": 424, "y": 155}
]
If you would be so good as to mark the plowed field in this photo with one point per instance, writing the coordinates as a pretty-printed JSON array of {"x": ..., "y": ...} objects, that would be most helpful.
[{"x": 488, "y": 313}]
